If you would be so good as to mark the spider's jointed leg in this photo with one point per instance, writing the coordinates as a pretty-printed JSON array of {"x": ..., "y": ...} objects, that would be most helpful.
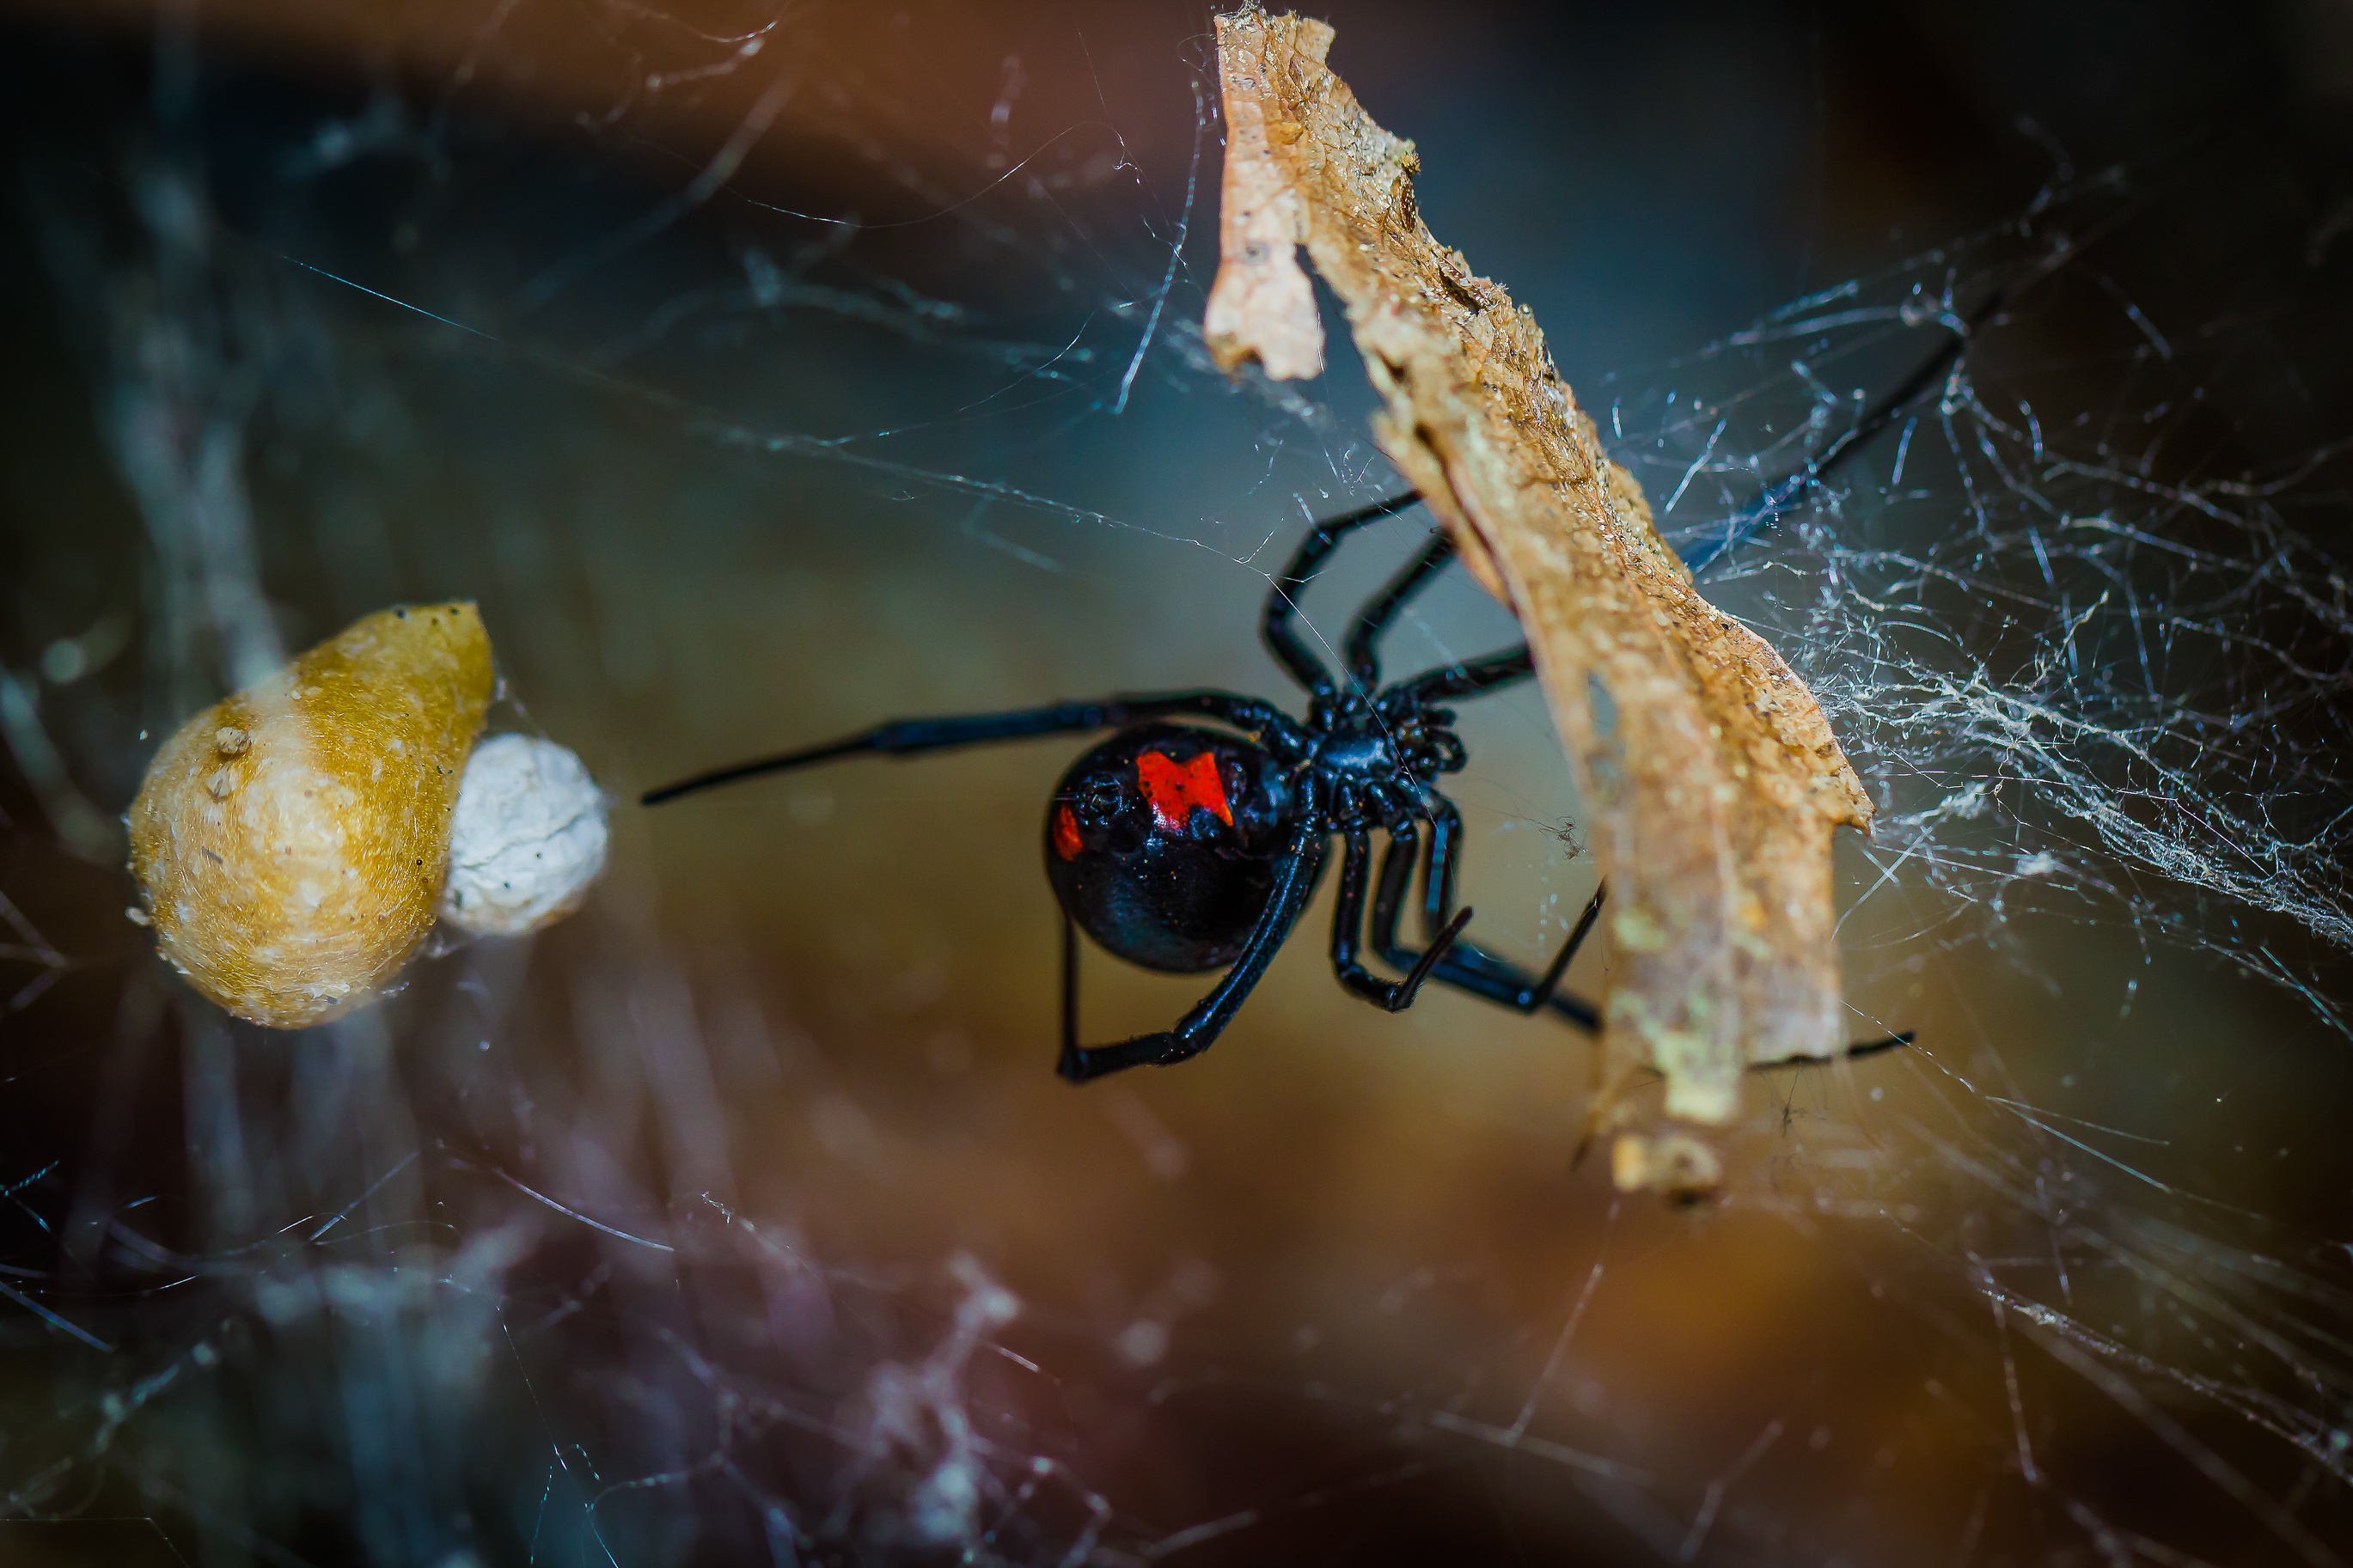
[
  {"x": 1294, "y": 879},
  {"x": 1462, "y": 965},
  {"x": 1275, "y": 629},
  {"x": 914, "y": 737},
  {"x": 1470, "y": 677},
  {"x": 1363, "y": 653},
  {"x": 1348, "y": 920},
  {"x": 1767, "y": 511},
  {"x": 1852, "y": 1053}
]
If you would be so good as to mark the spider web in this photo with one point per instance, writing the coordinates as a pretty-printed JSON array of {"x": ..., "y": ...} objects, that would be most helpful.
[{"x": 769, "y": 374}]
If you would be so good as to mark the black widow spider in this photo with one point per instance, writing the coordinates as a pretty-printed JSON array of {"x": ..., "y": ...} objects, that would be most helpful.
[{"x": 1186, "y": 849}]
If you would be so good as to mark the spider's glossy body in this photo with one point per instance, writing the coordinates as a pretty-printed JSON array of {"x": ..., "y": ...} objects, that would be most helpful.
[{"x": 1162, "y": 844}]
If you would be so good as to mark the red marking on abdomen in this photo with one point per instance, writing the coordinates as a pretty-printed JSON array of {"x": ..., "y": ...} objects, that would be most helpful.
[
  {"x": 1066, "y": 833},
  {"x": 1174, "y": 788}
]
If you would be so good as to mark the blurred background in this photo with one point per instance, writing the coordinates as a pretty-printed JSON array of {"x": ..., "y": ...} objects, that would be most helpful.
[{"x": 767, "y": 369}]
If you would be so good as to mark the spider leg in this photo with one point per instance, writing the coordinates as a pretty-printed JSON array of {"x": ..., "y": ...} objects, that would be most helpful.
[
  {"x": 1765, "y": 511},
  {"x": 1852, "y": 1053},
  {"x": 1070, "y": 1046},
  {"x": 1362, "y": 655},
  {"x": 1348, "y": 919},
  {"x": 1388, "y": 893},
  {"x": 1275, "y": 629},
  {"x": 1295, "y": 880},
  {"x": 1462, "y": 965},
  {"x": 911, "y": 737},
  {"x": 1469, "y": 677}
]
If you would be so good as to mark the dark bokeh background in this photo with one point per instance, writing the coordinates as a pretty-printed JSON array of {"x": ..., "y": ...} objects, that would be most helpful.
[{"x": 1304, "y": 1301}]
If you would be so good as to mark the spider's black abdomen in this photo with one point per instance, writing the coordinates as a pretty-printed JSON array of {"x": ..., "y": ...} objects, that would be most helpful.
[{"x": 1161, "y": 843}]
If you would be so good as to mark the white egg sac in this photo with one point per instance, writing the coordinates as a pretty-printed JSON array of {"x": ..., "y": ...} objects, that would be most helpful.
[{"x": 527, "y": 838}]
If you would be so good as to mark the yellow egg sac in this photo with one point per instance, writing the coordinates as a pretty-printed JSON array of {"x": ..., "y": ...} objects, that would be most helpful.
[{"x": 290, "y": 841}]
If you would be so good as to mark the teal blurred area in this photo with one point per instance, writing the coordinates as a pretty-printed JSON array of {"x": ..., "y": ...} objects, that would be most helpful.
[{"x": 764, "y": 371}]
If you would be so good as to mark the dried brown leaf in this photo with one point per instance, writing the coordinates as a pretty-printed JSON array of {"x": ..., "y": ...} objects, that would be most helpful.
[{"x": 1714, "y": 776}]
